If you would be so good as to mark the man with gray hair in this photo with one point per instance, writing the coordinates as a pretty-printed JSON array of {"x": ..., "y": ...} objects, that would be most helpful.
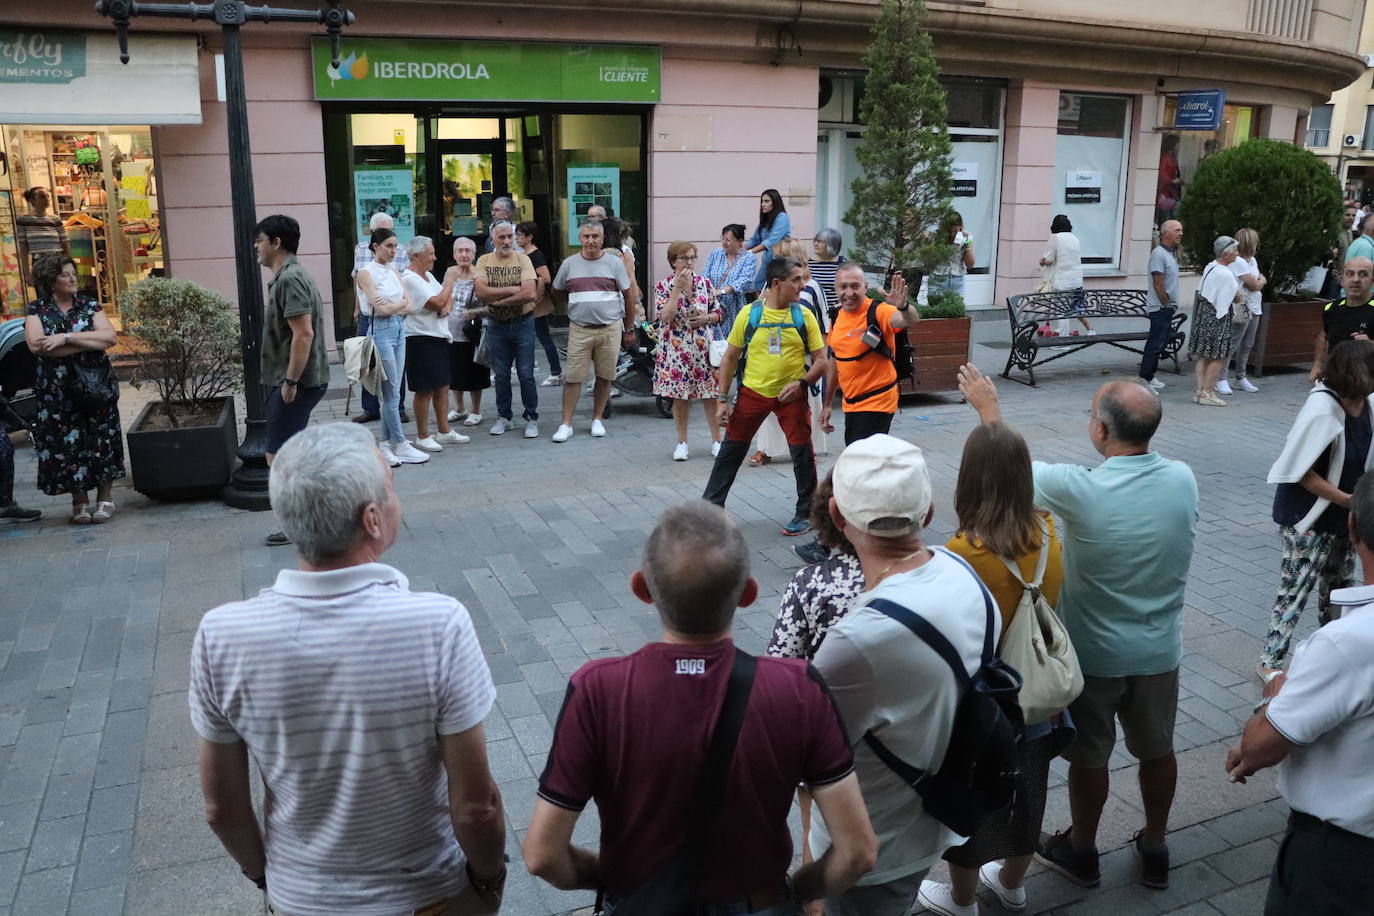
[
  {"x": 502, "y": 208},
  {"x": 634, "y": 734},
  {"x": 1128, "y": 535},
  {"x": 362, "y": 703},
  {"x": 505, "y": 285}
]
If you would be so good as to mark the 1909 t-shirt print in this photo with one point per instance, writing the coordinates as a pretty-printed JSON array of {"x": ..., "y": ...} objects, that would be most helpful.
[{"x": 509, "y": 271}]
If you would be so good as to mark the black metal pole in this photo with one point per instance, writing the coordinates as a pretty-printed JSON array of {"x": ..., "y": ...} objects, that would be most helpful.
[{"x": 247, "y": 487}]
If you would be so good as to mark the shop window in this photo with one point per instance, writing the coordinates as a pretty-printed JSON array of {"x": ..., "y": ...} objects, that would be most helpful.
[
  {"x": 1182, "y": 150},
  {"x": 1090, "y": 162},
  {"x": 1319, "y": 126},
  {"x": 599, "y": 159}
]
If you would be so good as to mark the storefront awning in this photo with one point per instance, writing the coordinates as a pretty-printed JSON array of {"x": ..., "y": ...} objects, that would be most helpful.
[{"x": 52, "y": 77}]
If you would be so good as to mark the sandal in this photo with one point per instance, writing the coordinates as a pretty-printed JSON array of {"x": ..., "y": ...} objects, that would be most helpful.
[
  {"x": 759, "y": 459},
  {"x": 81, "y": 515},
  {"x": 104, "y": 511}
]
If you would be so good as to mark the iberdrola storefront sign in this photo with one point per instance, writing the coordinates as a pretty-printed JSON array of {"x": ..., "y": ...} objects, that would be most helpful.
[{"x": 404, "y": 69}]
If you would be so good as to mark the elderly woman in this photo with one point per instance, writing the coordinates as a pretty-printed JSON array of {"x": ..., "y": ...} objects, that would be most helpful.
[
  {"x": 466, "y": 375},
  {"x": 774, "y": 225},
  {"x": 382, "y": 288},
  {"x": 1252, "y": 283},
  {"x": 731, "y": 271},
  {"x": 826, "y": 248},
  {"x": 427, "y": 344},
  {"x": 1209, "y": 341},
  {"x": 685, "y": 314},
  {"x": 76, "y": 433}
]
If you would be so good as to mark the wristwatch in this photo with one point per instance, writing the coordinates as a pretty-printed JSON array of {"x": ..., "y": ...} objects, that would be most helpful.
[
  {"x": 491, "y": 890},
  {"x": 292, "y": 382}
]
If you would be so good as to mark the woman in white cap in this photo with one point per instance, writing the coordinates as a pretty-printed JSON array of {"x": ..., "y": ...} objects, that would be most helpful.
[{"x": 1209, "y": 340}]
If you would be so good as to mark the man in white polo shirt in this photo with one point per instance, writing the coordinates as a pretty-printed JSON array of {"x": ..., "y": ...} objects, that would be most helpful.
[
  {"x": 362, "y": 703},
  {"x": 1318, "y": 728}
]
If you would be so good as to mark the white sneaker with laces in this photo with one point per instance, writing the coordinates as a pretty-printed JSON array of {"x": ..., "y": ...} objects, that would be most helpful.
[
  {"x": 598, "y": 429},
  {"x": 452, "y": 437},
  {"x": 532, "y": 429},
  {"x": 680, "y": 453},
  {"x": 938, "y": 898},
  {"x": 1013, "y": 899},
  {"x": 715, "y": 449},
  {"x": 388, "y": 454},
  {"x": 499, "y": 427},
  {"x": 408, "y": 454},
  {"x": 1244, "y": 384},
  {"x": 472, "y": 419},
  {"x": 1224, "y": 387},
  {"x": 429, "y": 444},
  {"x": 552, "y": 380},
  {"x": 1155, "y": 383},
  {"x": 563, "y": 433},
  {"x": 454, "y": 416}
]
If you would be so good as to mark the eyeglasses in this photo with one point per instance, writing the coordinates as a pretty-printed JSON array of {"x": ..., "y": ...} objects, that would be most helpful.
[{"x": 686, "y": 257}]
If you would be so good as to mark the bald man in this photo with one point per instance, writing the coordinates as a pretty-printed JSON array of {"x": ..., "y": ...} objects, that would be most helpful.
[
  {"x": 1161, "y": 297},
  {"x": 1128, "y": 539},
  {"x": 1350, "y": 317}
]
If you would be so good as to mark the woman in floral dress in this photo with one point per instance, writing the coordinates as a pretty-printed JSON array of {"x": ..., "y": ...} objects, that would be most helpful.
[
  {"x": 686, "y": 314},
  {"x": 79, "y": 448}
]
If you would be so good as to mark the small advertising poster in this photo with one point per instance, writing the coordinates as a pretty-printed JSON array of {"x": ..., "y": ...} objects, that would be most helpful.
[
  {"x": 385, "y": 190},
  {"x": 1082, "y": 187},
  {"x": 589, "y": 185},
  {"x": 12, "y": 296},
  {"x": 965, "y": 176}
]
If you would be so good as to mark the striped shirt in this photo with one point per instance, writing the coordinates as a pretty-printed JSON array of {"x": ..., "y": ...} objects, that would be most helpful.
[
  {"x": 338, "y": 682},
  {"x": 595, "y": 288},
  {"x": 41, "y": 233},
  {"x": 823, "y": 272}
]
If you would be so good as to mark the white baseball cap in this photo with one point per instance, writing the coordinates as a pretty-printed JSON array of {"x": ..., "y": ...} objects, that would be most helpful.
[{"x": 882, "y": 486}]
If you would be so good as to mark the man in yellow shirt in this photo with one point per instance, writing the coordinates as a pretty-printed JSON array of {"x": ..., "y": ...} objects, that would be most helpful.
[{"x": 774, "y": 337}]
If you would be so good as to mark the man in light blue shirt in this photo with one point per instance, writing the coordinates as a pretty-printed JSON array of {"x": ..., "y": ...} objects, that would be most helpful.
[{"x": 1128, "y": 528}]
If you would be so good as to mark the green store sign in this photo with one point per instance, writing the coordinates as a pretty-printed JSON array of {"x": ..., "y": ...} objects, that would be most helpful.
[
  {"x": 404, "y": 69},
  {"x": 41, "y": 57}
]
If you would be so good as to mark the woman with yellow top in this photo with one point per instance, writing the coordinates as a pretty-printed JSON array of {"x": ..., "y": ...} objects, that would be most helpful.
[{"x": 995, "y": 501}]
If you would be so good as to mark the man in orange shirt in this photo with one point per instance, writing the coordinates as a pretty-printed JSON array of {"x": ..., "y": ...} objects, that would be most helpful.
[{"x": 861, "y": 366}]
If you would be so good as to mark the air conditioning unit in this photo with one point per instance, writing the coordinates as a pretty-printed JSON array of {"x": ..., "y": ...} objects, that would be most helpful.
[{"x": 1351, "y": 140}]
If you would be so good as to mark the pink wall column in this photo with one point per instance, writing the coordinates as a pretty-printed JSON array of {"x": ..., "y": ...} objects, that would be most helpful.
[
  {"x": 1027, "y": 186},
  {"x": 723, "y": 133},
  {"x": 288, "y": 173}
]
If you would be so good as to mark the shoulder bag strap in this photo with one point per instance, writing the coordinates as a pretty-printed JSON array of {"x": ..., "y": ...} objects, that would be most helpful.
[{"x": 1040, "y": 566}]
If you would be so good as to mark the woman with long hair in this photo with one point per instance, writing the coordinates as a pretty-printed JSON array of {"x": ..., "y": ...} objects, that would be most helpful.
[
  {"x": 950, "y": 275},
  {"x": 773, "y": 226},
  {"x": 999, "y": 521}
]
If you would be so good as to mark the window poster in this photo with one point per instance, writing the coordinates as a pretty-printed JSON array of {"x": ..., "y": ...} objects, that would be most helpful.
[
  {"x": 12, "y": 297},
  {"x": 385, "y": 190},
  {"x": 588, "y": 186}
]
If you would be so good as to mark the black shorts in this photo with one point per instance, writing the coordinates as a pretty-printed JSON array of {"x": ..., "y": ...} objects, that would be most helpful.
[
  {"x": 427, "y": 363},
  {"x": 285, "y": 420}
]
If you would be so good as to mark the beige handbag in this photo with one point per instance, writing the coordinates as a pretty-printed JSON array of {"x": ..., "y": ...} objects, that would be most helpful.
[{"x": 1036, "y": 644}]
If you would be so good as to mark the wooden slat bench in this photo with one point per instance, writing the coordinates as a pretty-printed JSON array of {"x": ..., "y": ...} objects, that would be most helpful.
[{"x": 1029, "y": 311}]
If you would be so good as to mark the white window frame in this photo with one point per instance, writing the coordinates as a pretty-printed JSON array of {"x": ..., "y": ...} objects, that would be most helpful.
[{"x": 1128, "y": 132}]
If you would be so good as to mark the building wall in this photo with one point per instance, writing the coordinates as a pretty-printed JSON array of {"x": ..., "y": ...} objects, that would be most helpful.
[{"x": 1350, "y": 105}]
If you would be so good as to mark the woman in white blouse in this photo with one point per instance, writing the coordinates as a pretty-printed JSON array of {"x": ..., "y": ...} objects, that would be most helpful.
[
  {"x": 427, "y": 344},
  {"x": 1063, "y": 267},
  {"x": 1209, "y": 339}
]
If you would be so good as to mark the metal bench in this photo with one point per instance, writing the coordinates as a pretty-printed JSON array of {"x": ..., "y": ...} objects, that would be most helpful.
[{"x": 1029, "y": 311}]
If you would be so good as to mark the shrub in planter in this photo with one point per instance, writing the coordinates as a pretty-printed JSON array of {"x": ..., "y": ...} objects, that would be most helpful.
[{"x": 943, "y": 303}]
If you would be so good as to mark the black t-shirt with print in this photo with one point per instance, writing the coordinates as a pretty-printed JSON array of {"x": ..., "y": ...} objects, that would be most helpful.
[{"x": 1341, "y": 321}]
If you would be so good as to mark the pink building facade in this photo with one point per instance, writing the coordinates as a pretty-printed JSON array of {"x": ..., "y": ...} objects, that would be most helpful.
[{"x": 676, "y": 117}]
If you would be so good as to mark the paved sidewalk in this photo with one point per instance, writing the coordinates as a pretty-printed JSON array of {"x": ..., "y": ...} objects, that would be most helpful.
[{"x": 99, "y": 802}]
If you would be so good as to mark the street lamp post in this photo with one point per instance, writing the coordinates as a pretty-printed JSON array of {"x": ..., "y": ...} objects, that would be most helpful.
[{"x": 247, "y": 487}]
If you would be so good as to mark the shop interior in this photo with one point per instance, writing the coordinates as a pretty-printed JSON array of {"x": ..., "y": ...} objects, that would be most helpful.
[
  {"x": 102, "y": 185},
  {"x": 438, "y": 173},
  {"x": 1182, "y": 151}
]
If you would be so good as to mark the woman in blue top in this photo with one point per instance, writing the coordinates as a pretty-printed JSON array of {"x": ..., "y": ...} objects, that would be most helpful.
[{"x": 774, "y": 226}]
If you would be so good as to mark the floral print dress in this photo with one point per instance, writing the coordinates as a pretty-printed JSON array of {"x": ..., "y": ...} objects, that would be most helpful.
[
  {"x": 682, "y": 360},
  {"x": 77, "y": 449},
  {"x": 817, "y": 597}
]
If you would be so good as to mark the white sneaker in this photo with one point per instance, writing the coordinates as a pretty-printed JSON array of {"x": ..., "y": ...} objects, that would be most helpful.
[
  {"x": 715, "y": 449},
  {"x": 454, "y": 416},
  {"x": 452, "y": 437},
  {"x": 1224, "y": 387},
  {"x": 1013, "y": 899},
  {"x": 473, "y": 419},
  {"x": 598, "y": 429},
  {"x": 1155, "y": 383},
  {"x": 408, "y": 454},
  {"x": 388, "y": 454},
  {"x": 500, "y": 426},
  {"x": 680, "y": 453},
  {"x": 938, "y": 898},
  {"x": 429, "y": 444},
  {"x": 563, "y": 433},
  {"x": 1244, "y": 384},
  {"x": 532, "y": 429},
  {"x": 552, "y": 380}
]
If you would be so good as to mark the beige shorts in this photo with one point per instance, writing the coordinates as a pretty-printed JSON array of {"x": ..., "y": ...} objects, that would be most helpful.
[
  {"x": 592, "y": 348},
  {"x": 1146, "y": 704}
]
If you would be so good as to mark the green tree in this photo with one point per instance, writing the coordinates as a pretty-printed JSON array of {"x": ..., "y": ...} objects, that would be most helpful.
[
  {"x": 1283, "y": 192},
  {"x": 903, "y": 196}
]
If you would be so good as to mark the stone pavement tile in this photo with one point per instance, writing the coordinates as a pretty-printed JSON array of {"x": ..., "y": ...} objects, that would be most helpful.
[
  {"x": 170, "y": 828},
  {"x": 1247, "y": 900},
  {"x": 16, "y": 824},
  {"x": 1247, "y": 863},
  {"x": 67, "y": 794},
  {"x": 1204, "y": 792},
  {"x": 86, "y": 716},
  {"x": 44, "y": 893},
  {"x": 218, "y": 887},
  {"x": 172, "y": 662},
  {"x": 171, "y": 741},
  {"x": 1190, "y": 883},
  {"x": 112, "y": 809},
  {"x": 1120, "y": 818},
  {"x": 129, "y": 693},
  {"x": 100, "y": 901},
  {"x": 56, "y": 842},
  {"x": 507, "y": 762},
  {"x": 1200, "y": 908},
  {"x": 76, "y": 753},
  {"x": 1193, "y": 842},
  {"x": 1248, "y": 824},
  {"x": 10, "y": 723},
  {"x": 121, "y": 748},
  {"x": 104, "y": 860}
]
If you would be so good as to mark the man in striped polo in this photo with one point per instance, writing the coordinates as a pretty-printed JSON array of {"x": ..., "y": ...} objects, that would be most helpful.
[{"x": 362, "y": 703}]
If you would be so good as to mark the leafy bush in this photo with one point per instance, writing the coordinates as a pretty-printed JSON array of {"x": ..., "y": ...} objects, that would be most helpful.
[
  {"x": 189, "y": 338},
  {"x": 943, "y": 303},
  {"x": 1282, "y": 191}
]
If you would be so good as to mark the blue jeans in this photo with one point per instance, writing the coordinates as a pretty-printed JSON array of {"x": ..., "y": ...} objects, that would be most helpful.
[
  {"x": 541, "y": 330},
  {"x": 1160, "y": 320},
  {"x": 951, "y": 282},
  {"x": 389, "y": 334},
  {"x": 512, "y": 342},
  {"x": 369, "y": 400}
]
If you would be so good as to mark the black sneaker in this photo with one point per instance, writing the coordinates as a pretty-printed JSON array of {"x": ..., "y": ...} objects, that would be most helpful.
[
  {"x": 13, "y": 513},
  {"x": 367, "y": 416},
  {"x": 1057, "y": 854},
  {"x": 276, "y": 539},
  {"x": 812, "y": 551},
  {"x": 1154, "y": 862}
]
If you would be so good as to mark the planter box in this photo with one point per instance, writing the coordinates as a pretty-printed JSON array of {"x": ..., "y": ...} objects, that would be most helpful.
[
  {"x": 941, "y": 346},
  {"x": 1287, "y": 333},
  {"x": 193, "y": 462}
]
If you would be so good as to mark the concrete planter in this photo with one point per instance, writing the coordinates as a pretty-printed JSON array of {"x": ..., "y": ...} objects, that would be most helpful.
[
  {"x": 191, "y": 462},
  {"x": 941, "y": 346},
  {"x": 1287, "y": 333}
]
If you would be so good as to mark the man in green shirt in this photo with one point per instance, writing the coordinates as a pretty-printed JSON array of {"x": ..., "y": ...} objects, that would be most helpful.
[{"x": 295, "y": 369}]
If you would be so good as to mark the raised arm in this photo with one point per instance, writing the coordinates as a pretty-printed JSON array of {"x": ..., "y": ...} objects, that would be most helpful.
[{"x": 980, "y": 393}]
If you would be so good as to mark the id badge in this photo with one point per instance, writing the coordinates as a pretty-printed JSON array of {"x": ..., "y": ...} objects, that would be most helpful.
[{"x": 775, "y": 343}]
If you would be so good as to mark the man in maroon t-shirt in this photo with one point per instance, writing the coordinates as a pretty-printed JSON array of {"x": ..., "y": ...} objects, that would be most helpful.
[{"x": 633, "y": 735}]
